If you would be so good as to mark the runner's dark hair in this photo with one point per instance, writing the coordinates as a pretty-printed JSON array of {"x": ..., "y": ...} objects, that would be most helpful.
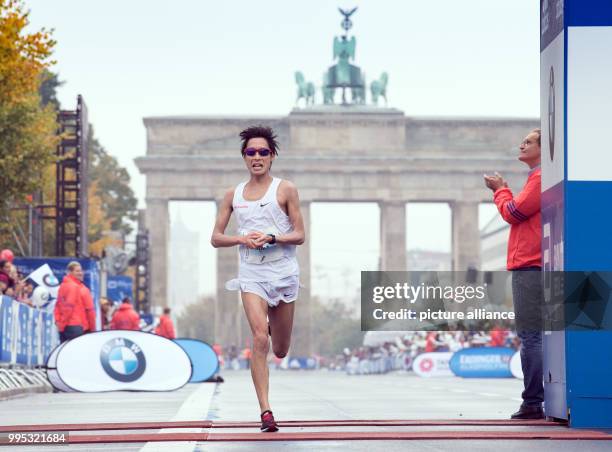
[{"x": 259, "y": 132}]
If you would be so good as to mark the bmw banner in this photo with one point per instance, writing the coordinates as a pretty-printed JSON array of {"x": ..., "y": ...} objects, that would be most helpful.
[
  {"x": 482, "y": 362},
  {"x": 119, "y": 360},
  {"x": 203, "y": 358}
]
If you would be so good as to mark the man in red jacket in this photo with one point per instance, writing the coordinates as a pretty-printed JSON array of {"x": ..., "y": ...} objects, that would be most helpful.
[
  {"x": 125, "y": 318},
  {"x": 165, "y": 327},
  {"x": 525, "y": 262},
  {"x": 74, "y": 309}
]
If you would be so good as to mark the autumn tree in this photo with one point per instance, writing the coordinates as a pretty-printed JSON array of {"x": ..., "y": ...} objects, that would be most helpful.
[
  {"x": 112, "y": 187},
  {"x": 27, "y": 130}
]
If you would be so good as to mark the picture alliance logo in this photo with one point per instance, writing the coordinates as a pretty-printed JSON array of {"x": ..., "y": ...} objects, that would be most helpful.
[{"x": 123, "y": 360}]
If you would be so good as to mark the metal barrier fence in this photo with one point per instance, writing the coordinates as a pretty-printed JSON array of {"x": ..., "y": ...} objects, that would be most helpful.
[{"x": 27, "y": 335}]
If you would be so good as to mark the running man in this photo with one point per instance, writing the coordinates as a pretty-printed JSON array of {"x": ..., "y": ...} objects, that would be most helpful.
[{"x": 270, "y": 225}]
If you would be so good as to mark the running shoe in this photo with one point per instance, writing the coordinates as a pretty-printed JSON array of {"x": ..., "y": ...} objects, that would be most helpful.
[{"x": 268, "y": 424}]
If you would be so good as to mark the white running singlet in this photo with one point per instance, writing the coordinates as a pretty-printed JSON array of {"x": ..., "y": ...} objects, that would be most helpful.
[{"x": 273, "y": 262}]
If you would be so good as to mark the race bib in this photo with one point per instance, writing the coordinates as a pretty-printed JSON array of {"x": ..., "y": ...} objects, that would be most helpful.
[{"x": 268, "y": 253}]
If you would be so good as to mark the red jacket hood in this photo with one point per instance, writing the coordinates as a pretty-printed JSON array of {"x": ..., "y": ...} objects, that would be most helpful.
[{"x": 125, "y": 307}]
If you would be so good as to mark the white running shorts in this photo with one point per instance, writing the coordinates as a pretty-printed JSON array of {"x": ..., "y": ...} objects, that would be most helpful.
[{"x": 285, "y": 289}]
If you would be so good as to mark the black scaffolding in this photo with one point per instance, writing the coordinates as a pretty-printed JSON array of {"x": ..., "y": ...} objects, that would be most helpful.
[
  {"x": 142, "y": 271},
  {"x": 71, "y": 182}
]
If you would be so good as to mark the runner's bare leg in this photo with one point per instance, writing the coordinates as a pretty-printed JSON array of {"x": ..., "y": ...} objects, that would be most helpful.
[
  {"x": 281, "y": 324},
  {"x": 256, "y": 309}
]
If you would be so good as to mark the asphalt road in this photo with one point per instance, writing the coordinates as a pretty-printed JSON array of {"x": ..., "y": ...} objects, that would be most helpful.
[{"x": 297, "y": 395}]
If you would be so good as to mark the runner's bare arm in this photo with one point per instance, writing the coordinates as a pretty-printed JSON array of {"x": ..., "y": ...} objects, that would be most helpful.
[{"x": 219, "y": 239}]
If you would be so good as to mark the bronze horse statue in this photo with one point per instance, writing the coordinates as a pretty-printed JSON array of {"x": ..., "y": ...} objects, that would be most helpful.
[
  {"x": 306, "y": 90},
  {"x": 379, "y": 88}
]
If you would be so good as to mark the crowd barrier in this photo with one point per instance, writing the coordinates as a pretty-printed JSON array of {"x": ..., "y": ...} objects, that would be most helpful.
[
  {"x": 478, "y": 362},
  {"x": 379, "y": 365},
  {"x": 27, "y": 334}
]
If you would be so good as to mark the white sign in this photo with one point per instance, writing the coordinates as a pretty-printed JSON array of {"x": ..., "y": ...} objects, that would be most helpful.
[
  {"x": 434, "y": 364},
  {"x": 515, "y": 366},
  {"x": 589, "y": 97},
  {"x": 43, "y": 277},
  {"x": 119, "y": 360},
  {"x": 552, "y": 81}
]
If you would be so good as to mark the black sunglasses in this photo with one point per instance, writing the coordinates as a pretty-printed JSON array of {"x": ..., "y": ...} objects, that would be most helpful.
[{"x": 263, "y": 152}]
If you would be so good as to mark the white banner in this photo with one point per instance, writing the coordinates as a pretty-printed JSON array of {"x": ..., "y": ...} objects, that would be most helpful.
[
  {"x": 552, "y": 118},
  {"x": 434, "y": 364},
  {"x": 120, "y": 360},
  {"x": 515, "y": 366},
  {"x": 589, "y": 97}
]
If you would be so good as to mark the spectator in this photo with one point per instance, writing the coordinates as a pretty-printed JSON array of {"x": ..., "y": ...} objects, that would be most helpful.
[
  {"x": 125, "y": 318},
  {"x": 498, "y": 337},
  {"x": 246, "y": 356},
  {"x": 525, "y": 261},
  {"x": 219, "y": 352},
  {"x": 165, "y": 327},
  {"x": 7, "y": 283},
  {"x": 74, "y": 308},
  {"x": 23, "y": 292},
  {"x": 106, "y": 311}
]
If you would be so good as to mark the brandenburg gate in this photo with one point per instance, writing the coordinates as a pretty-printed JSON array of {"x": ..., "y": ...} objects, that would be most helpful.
[{"x": 348, "y": 152}]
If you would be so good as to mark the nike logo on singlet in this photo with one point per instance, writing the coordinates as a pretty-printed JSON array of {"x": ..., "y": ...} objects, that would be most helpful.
[{"x": 263, "y": 205}]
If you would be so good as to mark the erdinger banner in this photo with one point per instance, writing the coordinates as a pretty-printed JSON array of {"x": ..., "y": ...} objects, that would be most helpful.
[
  {"x": 119, "y": 360},
  {"x": 203, "y": 358},
  {"x": 482, "y": 362},
  {"x": 433, "y": 364}
]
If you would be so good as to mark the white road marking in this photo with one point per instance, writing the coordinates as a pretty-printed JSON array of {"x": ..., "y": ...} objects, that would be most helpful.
[{"x": 194, "y": 408}]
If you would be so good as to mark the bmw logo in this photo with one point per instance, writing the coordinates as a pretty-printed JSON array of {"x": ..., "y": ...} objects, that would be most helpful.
[{"x": 123, "y": 360}]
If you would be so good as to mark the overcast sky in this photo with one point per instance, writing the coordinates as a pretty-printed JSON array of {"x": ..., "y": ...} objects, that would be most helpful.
[{"x": 132, "y": 59}]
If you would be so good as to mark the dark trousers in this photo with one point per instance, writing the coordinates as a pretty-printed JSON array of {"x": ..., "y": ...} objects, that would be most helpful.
[
  {"x": 528, "y": 299},
  {"x": 70, "y": 332}
]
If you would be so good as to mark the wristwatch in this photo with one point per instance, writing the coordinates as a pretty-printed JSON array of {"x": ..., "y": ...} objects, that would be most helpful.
[{"x": 273, "y": 241}]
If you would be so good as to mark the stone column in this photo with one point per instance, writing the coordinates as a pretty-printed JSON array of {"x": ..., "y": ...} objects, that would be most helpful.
[
  {"x": 466, "y": 236},
  {"x": 228, "y": 307},
  {"x": 393, "y": 236},
  {"x": 158, "y": 223},
  {"x": 301, "y": 341}
]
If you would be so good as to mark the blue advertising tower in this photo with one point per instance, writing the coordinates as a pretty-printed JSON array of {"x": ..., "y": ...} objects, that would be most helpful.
[{"x": 576, "y": 95}]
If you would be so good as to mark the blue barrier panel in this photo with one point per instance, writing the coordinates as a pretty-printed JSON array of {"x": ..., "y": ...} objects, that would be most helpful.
[
  {"x": 482, "y": 362},
  {"x": 27, "y": 335},
  {"x": 118, "y": 287},
  {"x": 49, "y": 333},
  {"x": 147, "y": 318},
  {"x": 6, "y": 328},
  {"x": 23, "y": 332},
  {"x": 203, "y": 359},
  {"x": 35, "y": 339}
]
